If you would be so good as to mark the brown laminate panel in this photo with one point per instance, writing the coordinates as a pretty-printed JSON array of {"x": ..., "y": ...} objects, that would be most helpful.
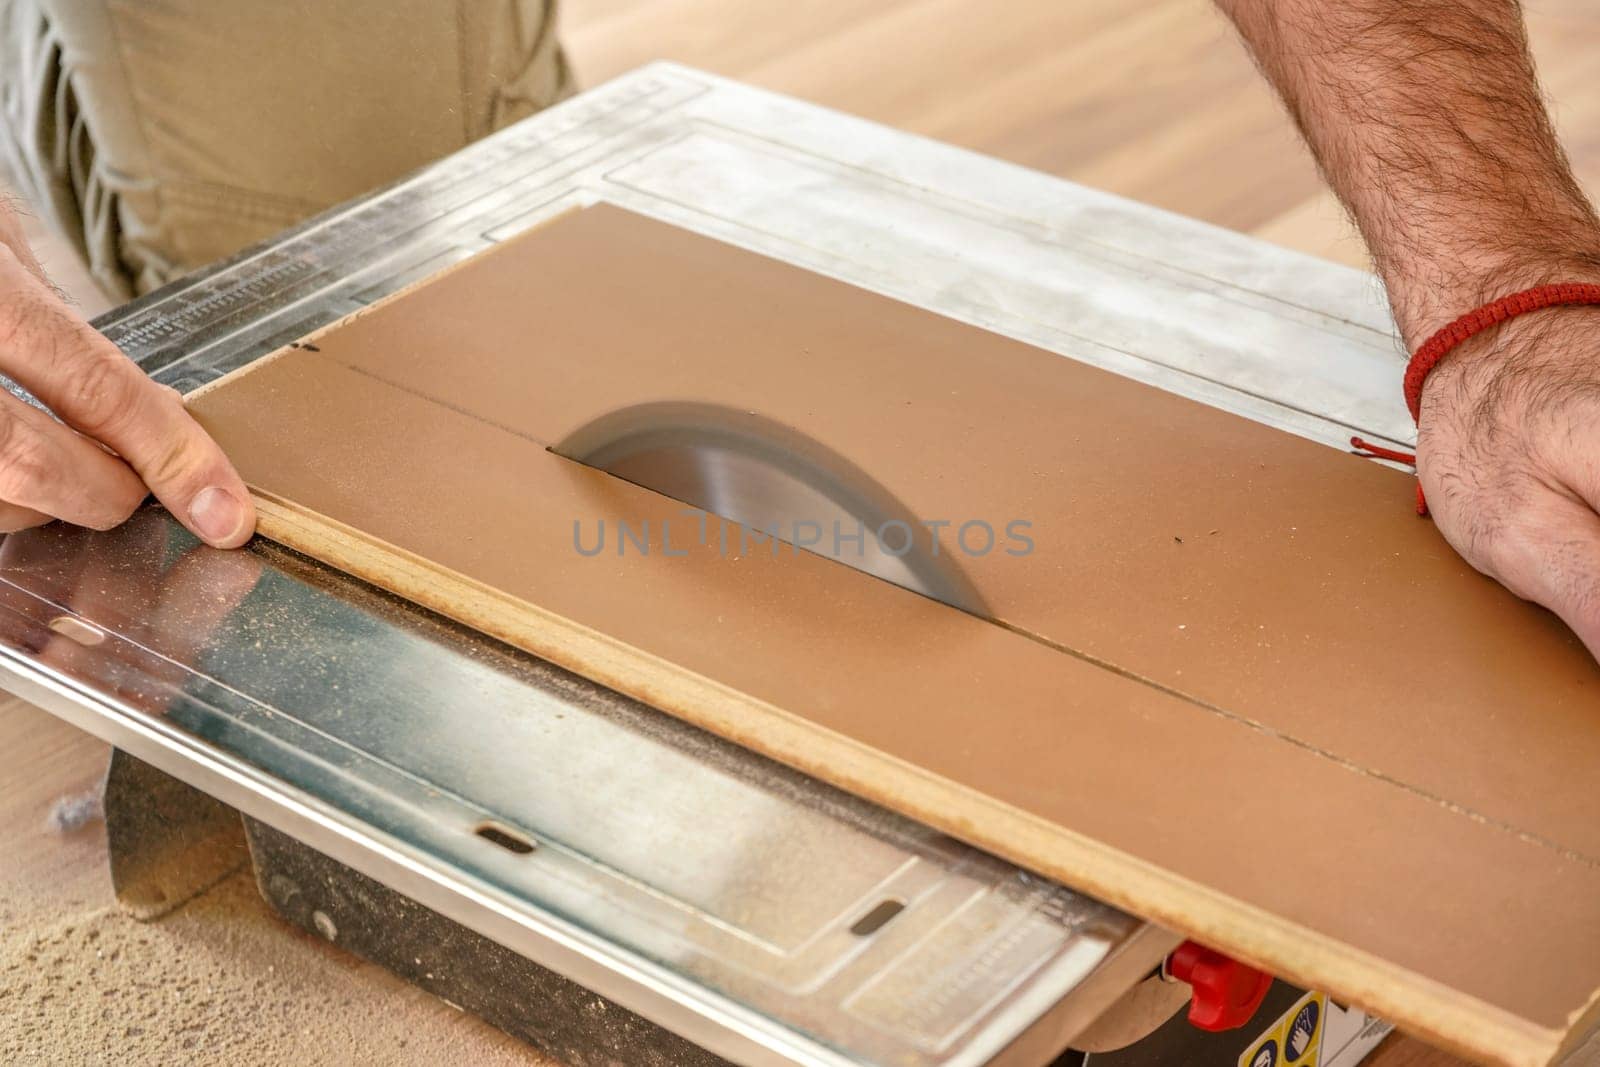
[
  {"x": 1261, "y": 768},
  {"x": 1239, "y": 565}
]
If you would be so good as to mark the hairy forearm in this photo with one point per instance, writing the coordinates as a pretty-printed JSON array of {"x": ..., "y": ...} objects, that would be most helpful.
[{"x": 1427, "y": 121}]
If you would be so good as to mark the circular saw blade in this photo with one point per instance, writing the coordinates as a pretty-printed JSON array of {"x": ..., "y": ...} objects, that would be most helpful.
[{"x": 770, "y": 477}]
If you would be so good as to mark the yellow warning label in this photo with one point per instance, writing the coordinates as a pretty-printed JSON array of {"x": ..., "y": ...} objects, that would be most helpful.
[{"x": 1295, "y": 1040}]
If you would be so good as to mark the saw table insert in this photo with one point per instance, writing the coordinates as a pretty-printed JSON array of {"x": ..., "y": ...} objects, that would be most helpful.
[{"x": 1234, "y": 686}]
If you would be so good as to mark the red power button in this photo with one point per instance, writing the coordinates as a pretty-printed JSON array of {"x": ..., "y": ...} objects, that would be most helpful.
[{"x": 1226, "y": 992}]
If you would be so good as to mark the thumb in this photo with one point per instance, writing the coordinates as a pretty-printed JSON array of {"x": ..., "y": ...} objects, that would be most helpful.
[{"x": 1551, "y": 555}]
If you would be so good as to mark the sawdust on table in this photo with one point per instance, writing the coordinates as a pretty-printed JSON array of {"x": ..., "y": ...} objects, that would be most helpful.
[{"x": 219, "y": 981}]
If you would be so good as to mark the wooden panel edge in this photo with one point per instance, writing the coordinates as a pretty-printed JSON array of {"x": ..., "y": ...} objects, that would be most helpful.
[
  {"x": 1582, "y": 1025},
  {"x": 1417, "y": 1004}
]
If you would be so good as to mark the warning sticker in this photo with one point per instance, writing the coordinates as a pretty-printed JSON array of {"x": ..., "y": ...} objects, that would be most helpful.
[{"x": 1295, "y": 1040}]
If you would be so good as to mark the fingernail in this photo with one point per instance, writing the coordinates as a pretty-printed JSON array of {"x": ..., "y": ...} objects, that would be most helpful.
[{"x": 216, "y": 515}]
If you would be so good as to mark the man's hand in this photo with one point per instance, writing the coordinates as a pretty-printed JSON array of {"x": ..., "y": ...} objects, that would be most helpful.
[
  {"x": 120, "y": 435},
  {"x": 1426, "y": 118},
  {"x": 1509, "y": 455}
]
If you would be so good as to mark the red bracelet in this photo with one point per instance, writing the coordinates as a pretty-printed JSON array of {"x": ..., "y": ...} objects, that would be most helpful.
[{"x": 1474, "y": 322}]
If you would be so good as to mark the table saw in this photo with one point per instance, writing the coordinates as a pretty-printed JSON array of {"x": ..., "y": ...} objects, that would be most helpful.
[{"x": 715, "y": 902}]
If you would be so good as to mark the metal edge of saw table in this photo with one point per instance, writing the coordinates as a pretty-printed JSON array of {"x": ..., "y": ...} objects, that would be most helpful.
[
  {"x": 311, "y": 694},
  {"x": 707, "y": 889}
]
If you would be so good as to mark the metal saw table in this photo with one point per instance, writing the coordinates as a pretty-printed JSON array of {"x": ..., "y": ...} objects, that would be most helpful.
[{"x": 763, "y": 916}]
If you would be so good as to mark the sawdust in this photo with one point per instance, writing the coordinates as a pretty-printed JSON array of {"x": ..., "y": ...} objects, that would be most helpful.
[
  {"x": 220, "y": 981},
  {"x": 75, "y": 811}
]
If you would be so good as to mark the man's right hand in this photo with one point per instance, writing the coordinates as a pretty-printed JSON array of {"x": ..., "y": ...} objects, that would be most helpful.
[
  {"x": 1510, "y": 458},
  {"x": 120, "y": 435}
]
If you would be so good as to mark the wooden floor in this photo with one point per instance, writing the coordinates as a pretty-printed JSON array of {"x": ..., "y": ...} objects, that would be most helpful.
[{"x": 1151, "y": 99}]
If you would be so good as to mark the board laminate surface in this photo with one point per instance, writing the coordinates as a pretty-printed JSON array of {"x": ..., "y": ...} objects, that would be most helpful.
[{"x": 1236, "y": 687}]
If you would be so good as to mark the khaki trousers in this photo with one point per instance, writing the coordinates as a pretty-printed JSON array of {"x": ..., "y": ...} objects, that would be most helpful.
[{"x": 160, "y": 135}]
